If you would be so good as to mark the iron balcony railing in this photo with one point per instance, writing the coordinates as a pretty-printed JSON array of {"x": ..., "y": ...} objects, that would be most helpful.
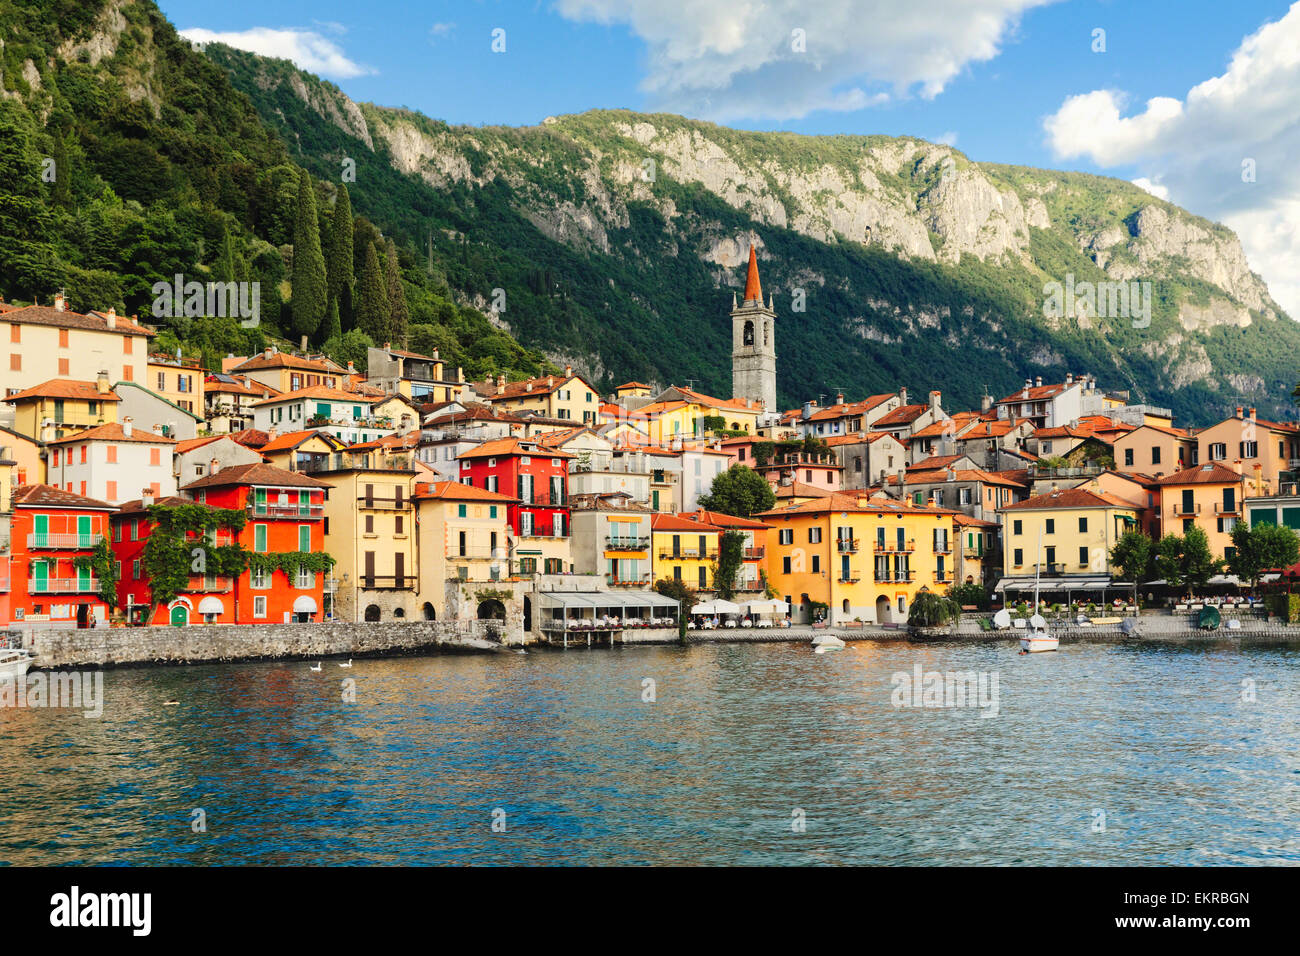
[
  {"x": 64, "y": 585},
  {"x": 846, "y": 545},
  {"x": 624, "y": 543},
  {"x": 384, "y": 504},
  {"x": 1181, "y": 509},
  {"x": 269, "y": 510},
  {"x": 635, "y": 581},
  {"x": 1225, "y": 509},
  {"x": 687, "y": 554},
  {"x": 894, "y": 546},
  {"x": 76, "y": 542}
]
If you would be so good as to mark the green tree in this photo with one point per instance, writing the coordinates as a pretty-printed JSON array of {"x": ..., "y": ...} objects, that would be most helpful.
[
  {"x": 1199, "y": 564},
  {"x": 332, "y": 327},
  {"x": 349, "y": 347},
  {"x": 739, "y": 491},
  {"x": 372, "y": 299},
  {"x": 309, "y": 286},
  {"x": 1169, "y": 561},
  {"x": 399, "y": 315},
  {"x": 1261, "y": 548},
  {"x": 973, "y": 594},
  {"x": 683, "y": 593},
  {"x": 932, "y": 610},
  {"x": 1134, "y": 555},
  {"x": 731, "y": 552},
  {"x": 338, "y": 259}
]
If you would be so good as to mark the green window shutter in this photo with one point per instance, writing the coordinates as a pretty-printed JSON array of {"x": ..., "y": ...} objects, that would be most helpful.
[
  {"x": 1263, "y": 516},
  {"x": 259, "y": 537},
  {"x": 42, "y": 530},
  {"x": 492, "y": 511},
  {"x": 1291, "y": 517},
  {"x": 460, "y": 511},
  {"x": 304, "y": 537},
  {"x": 83, "y": 531}
]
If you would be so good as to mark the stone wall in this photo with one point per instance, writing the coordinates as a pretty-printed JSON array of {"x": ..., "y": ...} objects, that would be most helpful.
[{"x": 231, "y": 642}]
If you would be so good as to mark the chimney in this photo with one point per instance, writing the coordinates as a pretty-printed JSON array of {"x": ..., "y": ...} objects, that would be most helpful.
[
  {"x": 1252, "y": 414},
  {"x": 1024, "y": 393},
  {"x": 272, "y": 434},
  {"x": 267, "y": 352},
  {"x": 1069, "y": 378},
  {"x": 902, "y": 473},
  {"x": 157, "y": 428},
  {"x": 1236, "y": 465},
  {"x": 110, "y": 318},
  {"x": 528, "y": 387},
  {"x": 60, "y": 303},
  {"x": 568, "y": 371},
  {"x": 101, "y": 382},
  {"x": 460, "y": 374},
  {"x": 934, "y": 400},
  {"x": 146, "y": 497},
  {"x": 501, "y": 384},
  {"x": 986, "y": 402},
  {"x": 128, "y": 426},
  {"x": 550, "y": 382},
  {"x": 1038, "y": 381},
  {"x": 388, "y": 346},
  {"x": 839, "y": 398},
  {"x": 352, "y": 369},
  {"x": 213, "y": 465},
  {"x": 1240, "y": 411},
  {"x": 902, "y": 395}
]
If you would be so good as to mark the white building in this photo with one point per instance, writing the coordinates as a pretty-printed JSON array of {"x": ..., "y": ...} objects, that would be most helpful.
[
  {"x": 349, "y": 416},
  {"x": 1051, "y": 406},
  {"x": 113, "y": 463}
]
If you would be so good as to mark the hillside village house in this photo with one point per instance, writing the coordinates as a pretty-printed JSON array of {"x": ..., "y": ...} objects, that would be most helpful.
[
  {"x": 868, "y": 457},
  {"x": 683, "y": 550},
  {"x": 464, "y": 536},
  {"x": 286, "y": 372},
  {"x": 611, "y": 536},
  {"x": 149, "y": 408},
  {"x": 568, "y": 397},
  {"x": 178, "y": 381},
  {"x": 228, "y": 403},
  {"x": 53, "y": 342},
  {"x": 843, "y": 418},
  {"x": 41, "y": 584},
  {"x": 537, "y": 478},
  {"x": 1268, "y": 450},
  {"x": 297, "y": 451},
  {"x": 61, "y": 407},
  {"x": 1209, "y": 496},
  {"x": 1076, "y": 529},
  {"x": 748, "y": 583},
  {"x": 26, "y": 458},
  {"x": 1276, "y": 509},
  {"x": 421, "y": 378},
  {"x": 370, "y": 532},
  {"x": 978, "y": 550},
  {"x": 349, "y": 416},
  {"x": 196, "y": 457},
  {"x": 113, "y": 462},
  {"x": 1156, "y": 450},
  {"x": 857, "y": 558},
  {"x": 1047, "y": 406}
]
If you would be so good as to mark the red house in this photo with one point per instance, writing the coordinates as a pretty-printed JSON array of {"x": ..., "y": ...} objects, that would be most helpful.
[
  {"x": 40, "y": 583},
  {"x": 285, "y": 511},
  {"x": 539, "y": 478}
]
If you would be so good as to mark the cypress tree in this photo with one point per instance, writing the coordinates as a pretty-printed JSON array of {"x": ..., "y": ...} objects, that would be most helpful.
[
  {"x": 372, "y": 299},
  {"x": 331, "y": 328},
  {"x": 399, "y": 315},
  {"x": 338, "y": 259},
  {"x": 309, "y": 292}
]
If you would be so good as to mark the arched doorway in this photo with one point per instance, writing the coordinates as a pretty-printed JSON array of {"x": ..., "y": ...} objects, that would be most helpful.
[
  {"x": 372, "y": 613},
  {"x": 399, "y": 612},
  {"x": 528, "y": 614},
  {"x": 846, "y": 606},
  {"x": 179, "y": 616},
  {"x": 882, "y": 610},
  {"x": 429, "y": 613},
  {"x": 491, "y": 610}
]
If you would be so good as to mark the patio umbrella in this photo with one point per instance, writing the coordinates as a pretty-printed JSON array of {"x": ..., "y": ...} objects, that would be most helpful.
[
  {"x": 766, "y": 607},
  {"x": 718, "y": 606}
]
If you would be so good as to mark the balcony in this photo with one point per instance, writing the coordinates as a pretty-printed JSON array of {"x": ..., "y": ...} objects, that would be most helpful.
[
  {"x": 688, "y": 554},
  {"x": 268, "y": 510},
  {"x": 1182, "y": 511},
  {"x": 846, "y": 545},
  {"x": 64, "y": 586},
  {"x": 541, "y": 531},
  {"x": 850, "y": 579},
  {"x": 543, "y": 499},
  {"x": 943, "y": 547},
  {"x": 639, "y": 543},
  {"x": 893, "y": 547},
  {"x": 202, "y": 585},
  {"x": 477, "y": 552},
  {"x": 63, "y": 542},
  {"x": 383, "y": 504},
  {"x": 1222, "y": 509},
  {"x": 754, "y": 554},
  {"x": 344, "y": 461},
  {"x": 633, "y": 582},
  {"x": 387, "y": 582}
]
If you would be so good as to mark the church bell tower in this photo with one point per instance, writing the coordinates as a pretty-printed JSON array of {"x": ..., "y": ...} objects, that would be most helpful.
[{"x": 753, "y": 343}]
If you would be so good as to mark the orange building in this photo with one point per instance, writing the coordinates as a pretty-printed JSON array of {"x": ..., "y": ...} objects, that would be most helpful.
[{"x": 40, "y": 582}]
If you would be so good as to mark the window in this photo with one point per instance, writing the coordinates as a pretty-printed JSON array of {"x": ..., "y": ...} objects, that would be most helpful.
[
  {"x": 785, "y": 565},
  {"x": 15, "y": 333},
  {"x": 1018, "y": 557},
  {"x": 258, "y": 578},
  {"x": 304, "y": 537},
  {"x": 259, "y": 605},
  {"x": 1051, "y": 526},
  {"x": 460, "y": 511},
  {"x": 65, "y": 367},
  {"x": 814, "y": 535},
  {"x": 1155, "y": 454},
  {"x": 370, "y": 524},
  {"x": 259, "y": 537},
  {"x": 1051, "y": 554},
  {"x": 1083, "y": 524},
  {"x": 816, "y": 563},
  {"x": 1083, "y": 557},
  {"x": 1128, "y": 457},
  {"x": 704, "y": 577},
  {"x": 1015, "y": 529},
  {"x": 1218, "y": 451},
  {"x": 84, "y": 451},
  {"x": 15, "y": 363},
  {"x": 112, "y": 454},
  {"x": 128, "y": 345},
  {"x": 1250, "y": 449}
]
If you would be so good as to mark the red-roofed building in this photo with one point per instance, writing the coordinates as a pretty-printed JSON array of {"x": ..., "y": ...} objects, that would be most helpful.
[
  {"x": 41, "y": 582},
  {"x": 113, "y": 462},
  {"x": 1054, "y": 404},
  {"x": 45, "y": 342}
]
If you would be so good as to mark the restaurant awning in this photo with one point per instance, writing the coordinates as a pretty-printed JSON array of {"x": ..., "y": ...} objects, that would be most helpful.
[
  {"x": 1077, "y": 582},
  {"x": 304, "y": 604},
  {"x": 605, "y": 599},
  {"x": 211, "y": 605}
]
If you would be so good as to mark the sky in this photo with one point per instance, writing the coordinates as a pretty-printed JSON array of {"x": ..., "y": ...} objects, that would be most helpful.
[{"x": 1197, "y": 101}]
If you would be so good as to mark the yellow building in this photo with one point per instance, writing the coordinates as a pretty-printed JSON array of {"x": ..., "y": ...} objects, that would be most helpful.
[
  {"x": 977, "y": 551},
  {"x": 1078, "y": 527},
  {"x": 463, "y": 536},
  {"x": 1208, "y": 496},
  {"x": 49, "y": 342},
  {"x": 683, "y": 419},
  {"x": 683, "y": 549},
  {"x": 297, "y": 451},
  {"x": 28, "y": 466},
  {"x": 863, "y": 558},
  {"x": 285, "y": 372},
  {"x": 63, "y": 407},
  {"x": 370, "y": 532},
  {"x": 568, "y": 396},
  {"x": 178, "y": 381}
]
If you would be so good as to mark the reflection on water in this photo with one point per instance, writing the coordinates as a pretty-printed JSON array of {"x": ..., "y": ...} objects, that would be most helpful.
[{"x": 1158, "y": 740}]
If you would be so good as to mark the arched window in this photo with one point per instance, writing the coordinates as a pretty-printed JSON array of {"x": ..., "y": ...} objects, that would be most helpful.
[
  {"x": 372, "y": 613},
  {"x": 429, "y": 613},
  {"x": 767, "y": 333},
  {"x": 748, "y": 334}
]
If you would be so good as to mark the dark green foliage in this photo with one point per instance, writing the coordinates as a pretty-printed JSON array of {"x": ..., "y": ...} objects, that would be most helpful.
[
  {"x": 731, "y": 552},
  {"x": 1134, "y": 556},
  {"x": 178, "y": 547},
  {"x": 1186, "y": 562},
  {"x": 1262, "y": 548},
  {"x": 350, "y": 347},
  {"x": 309, "y": 287},
  {"x": 399, "y": 316},
  {"x": 102, "y": 563},
  {"x": 338, "y": 259},
  {"x": 971, "y": 595},
  {"x": 739, "y": 491},
  {"x": 290, "y": 562},
  {"x": 932, "y": 610},
  {"x": 372, "y": 299},
  {"x": 683, "y": 593}
]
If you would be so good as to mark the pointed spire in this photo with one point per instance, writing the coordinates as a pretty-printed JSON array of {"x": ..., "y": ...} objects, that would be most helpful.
[{"x": 753, "y": 290}]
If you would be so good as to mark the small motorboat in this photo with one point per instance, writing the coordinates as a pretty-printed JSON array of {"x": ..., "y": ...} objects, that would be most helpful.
[
  {"x": 1036, "y": 638},
  {"x": 827, "y": 642},
  {"x": 14, "y": 662}
]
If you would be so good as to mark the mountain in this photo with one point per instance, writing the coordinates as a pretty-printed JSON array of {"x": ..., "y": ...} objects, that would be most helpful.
[
  {"x": 613, "y": 240},
  {"x": 126, "y": 158}
]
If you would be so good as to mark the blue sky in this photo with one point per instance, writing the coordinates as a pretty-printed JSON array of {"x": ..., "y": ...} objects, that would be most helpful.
[{"x": 1014, "y": 81}]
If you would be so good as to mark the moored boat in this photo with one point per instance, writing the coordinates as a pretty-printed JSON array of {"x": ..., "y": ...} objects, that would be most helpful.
[{"x": 14, "y": 663}]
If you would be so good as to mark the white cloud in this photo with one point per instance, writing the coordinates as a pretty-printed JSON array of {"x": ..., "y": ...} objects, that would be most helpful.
[
  {"x": 1194, "y": 150},
  {"x": 726, "y": 59},
  {"x": 948, "y": 139},
  {"x": 307, "y": 49}
]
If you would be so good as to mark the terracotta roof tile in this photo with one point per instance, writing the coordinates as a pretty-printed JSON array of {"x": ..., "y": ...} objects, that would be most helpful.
[
  {"x": 66, "y": 388},
  {"x": 48, "y": 496}
]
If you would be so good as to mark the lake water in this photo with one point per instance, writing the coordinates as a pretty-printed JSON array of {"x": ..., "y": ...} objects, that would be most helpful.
[{"x": 748, "y": 754}]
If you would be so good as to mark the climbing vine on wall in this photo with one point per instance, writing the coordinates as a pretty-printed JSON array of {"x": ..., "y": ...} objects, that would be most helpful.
[
  {"x": 103, "y": 564},
  {"x": 171, "y": 557},
  {"x": 290, "y": 562}
]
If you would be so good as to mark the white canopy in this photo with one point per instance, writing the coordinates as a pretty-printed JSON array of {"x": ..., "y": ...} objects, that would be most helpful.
[
  {"x": 717, "y": 606},
  {"x": 304, "y": 604},
  {"x": 211, "y": 605}
]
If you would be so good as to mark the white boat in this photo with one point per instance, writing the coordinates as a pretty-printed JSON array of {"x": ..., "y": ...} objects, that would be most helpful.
[
  {"x": 1036, "y": 638},
  {"x": 14, "y": 663},
  {"x": 827, "y": 642}
]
